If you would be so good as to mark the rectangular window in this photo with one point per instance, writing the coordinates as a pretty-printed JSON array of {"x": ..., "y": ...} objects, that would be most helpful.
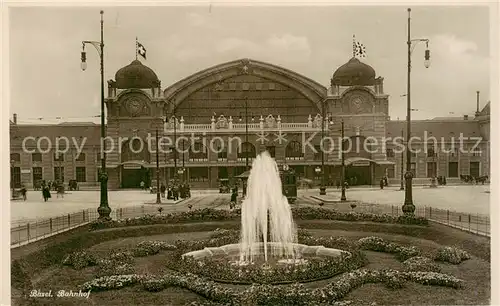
[
  {"x": 59, "y": 173},
  {"x": 414, "y": 169},
  {"x": 58, "y": 157},
  {"x": 431, "y": 152},
  {"x": 389, "y": 152},
  {"x": 258, "y": 86},
  {"x": 36, "y": 157},
  {"x": 391, "y": 172},
  {"x": 272, "y": 86},
  {"x": 15, "y": 177},
  {"x": 474, "y": 169},
  {"x": 198, "y": 174},
  {"x": 453, "y": 169},
  {"x": 81, "y": 157},
  {"x": 81, "y": 174},
  {"x": 37, "y": 174},
  {"x": 476, "y": 152},
  {"x": 245, "y": 86},
  {"x": 414, "y": 154},
  {"x": 222, "y": 155},
  {"x": 431, "y": 169},
  {"x": 272, "y": 151}
]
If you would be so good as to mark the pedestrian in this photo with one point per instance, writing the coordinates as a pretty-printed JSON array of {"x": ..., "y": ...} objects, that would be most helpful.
[
  {"x": 24, "y": 192},
  {"x": 46, "y": 193},
  {"x": 382, "y": 183},
  {"x": 162, "y": 190},
  {"x": 175, "y": 193},
  {"x": 234, "y": 197},
  {"x": 143, "y": 185}
]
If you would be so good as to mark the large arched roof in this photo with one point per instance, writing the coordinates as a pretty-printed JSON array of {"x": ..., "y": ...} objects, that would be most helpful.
[{"x": 182, "y": 89}]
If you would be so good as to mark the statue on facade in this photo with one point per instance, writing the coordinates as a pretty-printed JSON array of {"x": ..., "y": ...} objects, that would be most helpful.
[
  {"x": 221, "y": 122},
  {"x": 270, "y": 121},
  {"x": 317, "y": 121}
]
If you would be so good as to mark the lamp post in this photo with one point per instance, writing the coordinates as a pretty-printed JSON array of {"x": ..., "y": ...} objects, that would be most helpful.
[
  {"x": 342, "y": 196},
  {"x": 408, "y": 207},
  {"x": 174, "y": 118},
  {"x": 402, "y": 187},
  {"x": 322, "y": 188},
  {"x": 12, "y": 184},
  {"x": 104, "y": 210},
  {"x": 158, "y": 197}
]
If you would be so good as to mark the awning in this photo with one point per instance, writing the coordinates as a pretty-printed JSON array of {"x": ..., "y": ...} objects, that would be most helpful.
[{"x": 362, "y": 161}]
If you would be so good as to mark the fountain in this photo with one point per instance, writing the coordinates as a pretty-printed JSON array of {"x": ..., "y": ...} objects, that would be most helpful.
[
  {"x": 265, "y": 214},
  {"x": 268, "y": 232}
]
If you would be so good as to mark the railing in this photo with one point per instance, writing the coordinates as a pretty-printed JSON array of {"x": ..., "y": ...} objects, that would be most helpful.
[
  {"x": 474, "y": 223},
  {"x": 26, "y": 231}
]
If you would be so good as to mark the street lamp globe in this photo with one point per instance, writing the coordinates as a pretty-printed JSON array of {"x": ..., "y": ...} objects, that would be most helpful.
[
  {"x": 318, "y": 170},
  {"x": 427, "y": 59},
  {"x": 84, "y": 61}
]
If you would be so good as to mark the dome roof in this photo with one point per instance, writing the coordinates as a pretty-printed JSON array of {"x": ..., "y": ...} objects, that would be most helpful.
[
  {"x": 354, "y": 72},
  {"x": 136, "y": 75}
]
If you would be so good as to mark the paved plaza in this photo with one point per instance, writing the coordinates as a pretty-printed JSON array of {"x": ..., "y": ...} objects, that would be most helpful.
[
  {"x": 464, "y": 198},
  {"x": 467, "y": 199}
]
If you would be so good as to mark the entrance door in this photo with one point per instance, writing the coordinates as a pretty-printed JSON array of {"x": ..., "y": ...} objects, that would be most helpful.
[
  {"x": 131, "y": 178},
  {"x": 358, "y": 175}
]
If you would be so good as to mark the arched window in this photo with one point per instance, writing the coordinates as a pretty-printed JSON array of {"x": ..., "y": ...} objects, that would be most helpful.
[
  {"x": 15, "y": 157},
  {"x": 135, "y": 149},
  {"x": 246, "y": 149},
  {"x": 198, "y": 152},
  {"x": 294, "y": 151}
]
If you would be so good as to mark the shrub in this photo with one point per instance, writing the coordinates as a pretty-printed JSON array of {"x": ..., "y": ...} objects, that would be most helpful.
[
  {"x": 113, "y": 267},
  {"x": 420, "y": 264},
  {"x": 147, "y": 248},
  {"x": 80, "y": 260},
  {"x": 405, "y": 252},
  {"x": 299, "y": 213},
  {"x": 452, "y": 255}
]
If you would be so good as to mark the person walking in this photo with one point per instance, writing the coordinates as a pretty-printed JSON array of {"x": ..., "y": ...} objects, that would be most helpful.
[
  {"x": 382, "y": 183},
  {"x": 24, "y": 192},
  {"x": 143, "y": 185},
  {"x": 46, "y": 193},
  {"x": 234, "y": 197},
  {"x": 163, "y": 188}
]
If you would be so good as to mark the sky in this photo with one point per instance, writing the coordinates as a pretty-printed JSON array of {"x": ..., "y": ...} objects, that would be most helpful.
[{"x": 45, "y": 44}]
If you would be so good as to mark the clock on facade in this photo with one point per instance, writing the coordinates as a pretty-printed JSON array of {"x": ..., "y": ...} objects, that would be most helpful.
[{"x": 134, "y": 106}]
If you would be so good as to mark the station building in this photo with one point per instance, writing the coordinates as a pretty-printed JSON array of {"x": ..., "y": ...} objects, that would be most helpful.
[{"x": 223, "y": 116}]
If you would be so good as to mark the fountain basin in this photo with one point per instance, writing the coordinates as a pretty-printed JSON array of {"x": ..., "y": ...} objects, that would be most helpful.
[
  {"x": 309, "y": 263},
  {"x": 232, "y": 251}
]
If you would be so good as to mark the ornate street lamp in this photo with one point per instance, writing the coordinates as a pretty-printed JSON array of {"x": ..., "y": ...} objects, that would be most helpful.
[
  {"x": 408, "y": 206},
  {"x": 158, "y": 197},
  {"x": 104, "y": 209}
]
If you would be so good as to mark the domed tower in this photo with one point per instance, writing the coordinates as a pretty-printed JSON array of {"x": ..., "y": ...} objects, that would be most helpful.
[
  {"x": 135, "y": 107},
  {"x": 355, "y": 89},
  {"x": 356, "y": 96}
]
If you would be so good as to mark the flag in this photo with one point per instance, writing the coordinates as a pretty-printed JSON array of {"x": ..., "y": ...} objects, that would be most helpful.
[
  {"x": 141, "y": 50},
  {"x": 358, "y": 49}
]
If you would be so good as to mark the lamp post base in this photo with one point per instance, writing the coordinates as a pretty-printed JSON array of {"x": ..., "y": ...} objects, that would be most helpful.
[
  {"x": 343, "y": 198},
  {"x": 104, "y": 212},
  {"x": 322, "y": 190}
]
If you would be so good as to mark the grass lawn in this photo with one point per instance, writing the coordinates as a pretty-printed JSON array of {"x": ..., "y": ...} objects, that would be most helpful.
[{"x": 475, "y": 272}]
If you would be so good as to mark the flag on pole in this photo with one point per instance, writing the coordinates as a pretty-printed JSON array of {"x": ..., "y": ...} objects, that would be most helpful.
[
  {"x": 358, "y": 49},
  {"x": 140, "y": 49}
]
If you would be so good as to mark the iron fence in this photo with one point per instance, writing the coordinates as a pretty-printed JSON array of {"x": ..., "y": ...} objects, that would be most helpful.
[
  {"x": 475, "y": 223},
  {"x": 26, "y": 231}
]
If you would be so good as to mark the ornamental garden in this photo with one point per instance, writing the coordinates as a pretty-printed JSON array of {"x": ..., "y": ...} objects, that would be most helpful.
[{"x": 383, "y": 260}]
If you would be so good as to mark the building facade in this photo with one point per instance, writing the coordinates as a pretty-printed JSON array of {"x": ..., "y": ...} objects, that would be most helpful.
[{"x": 220, "y": 118}]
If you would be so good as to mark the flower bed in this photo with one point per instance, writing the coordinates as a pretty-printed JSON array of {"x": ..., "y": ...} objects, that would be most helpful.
[
  {"x": 295, "y": 294},
  {"x": 147, "y": 248},
  {"x": 420, "y": 264},
  {"x": 378, "y": 244},
  {"x": 210, "y": 214},
  {"x": 315, "y": 268},
  {"x": 81, "y": 259},
  {"x": 452, "y": 255}
]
